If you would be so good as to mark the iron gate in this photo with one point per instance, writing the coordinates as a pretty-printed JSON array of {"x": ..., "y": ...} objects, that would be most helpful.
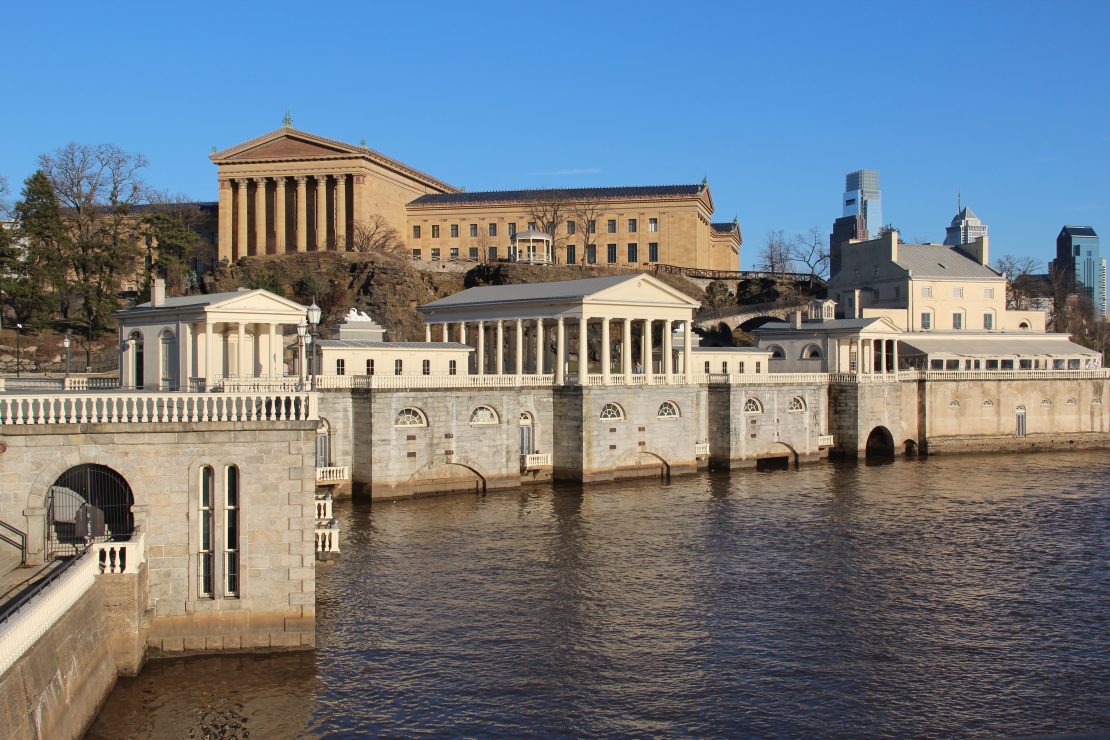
[{"x": 88, "y": 503}]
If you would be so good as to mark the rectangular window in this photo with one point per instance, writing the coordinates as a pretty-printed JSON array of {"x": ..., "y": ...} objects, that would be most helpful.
[
  {"x": 611, "y": 226},
  {"x": 206, "y": 526},
  {"x": 340, "y": 367},
  {"x": 454, "y": 253},
  {"x": 592, "y": 226},
  {"x": 452, "y": 367},
  {"x": 707, "y": 367},
  {"x": 758, "y": 367},
  {"x": 591, "y": 254},
  {"x": 398, "y": 367},
  {"x": 741, "y": 368},
  {"x": 435, "y": 231},
  {"x": 474, "y": 253},
  {"x": 988, "y": 321},
  {"x": 992, "y": 364},
  {"x": 611, "y": 253},
  {"x": 724, "y": 368},
  {"x": 927, "y": 291},
  {"x": 426, "y": 367},
  {"x": 653, "y": 251},
  {"x": 493, "y": 254},
  {"x": 415, "y": 232},
  {"x": 1025, "y": 364},
  {"x": 570, "y": 227},
  {"x": 231, "y": 533},
  {"x": 435, "y": 254},
  {"x": 988, "y": 293},
  {"x": 532, "y": 225},
  {"x": 571, "y": 254},
  {"x": 631, "y": 226},
  {"x": 632, "y": 257},
  {"x": 512, "y": 229},
  {"x": 492, "y": 229},
  {"x": 957, "y": 292},
  {"x": 1007, "y": 365},
  {"x": 454, "y": 231},
  {"x": 473, "y": 230},
  {"x": 936, "y": 364},
  {"x": 369, "y": 367},
  {"x": 926, "y": 320},
  {"x": 957, "y": 321},
  {"x": 951, "y": 364},
  {"x": 416, "y": 254},
  {"x": 1073, "y": 364},
  {"x": 653, "y": 225}
]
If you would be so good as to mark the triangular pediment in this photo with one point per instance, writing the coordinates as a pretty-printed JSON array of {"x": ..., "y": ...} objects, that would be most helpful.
[
  {"x": 643, "y": 289},
  {"x": 258, "y": 300},
  {"x": 287, "y": 147}
]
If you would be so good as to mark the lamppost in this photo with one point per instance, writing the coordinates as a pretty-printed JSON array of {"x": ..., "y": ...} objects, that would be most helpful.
[
  {"x": 313, "y": 322},
  {"x": 66, "y": 343},
  {"x": 18, "y": 352},
  {"x": 302, "y": 332}
]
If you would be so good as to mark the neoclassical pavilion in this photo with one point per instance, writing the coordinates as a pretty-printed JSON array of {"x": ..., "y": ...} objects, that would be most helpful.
[
  {"x": 612, "y": 327},
  {"x": 181, "y": 342},
  {"x": 867, "y": 346},
  {"x": 292, "y": 191}
]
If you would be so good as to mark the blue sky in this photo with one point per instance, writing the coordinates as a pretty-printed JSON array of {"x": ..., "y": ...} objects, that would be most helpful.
[{"x": 774, "y": 102}]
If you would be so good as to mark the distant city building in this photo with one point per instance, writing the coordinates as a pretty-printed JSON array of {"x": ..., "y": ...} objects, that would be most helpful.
[
  {"x": 845, "y": 229},
  {"x": 965, "y": 228},
  {"x": 1079, "y": 266},
  {"x": 862, "y": 198}
]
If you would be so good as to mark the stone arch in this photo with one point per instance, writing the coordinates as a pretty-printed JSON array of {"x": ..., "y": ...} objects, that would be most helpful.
[
  {"x": 644, "y": 462},
  {"x": 442, "y": 475},
  {"x": 811, "y": 352},
  {"x": 776, "y": 456},
  {"x": 757, "y": 321},
  {"x": 910, "y": 448},
  {"x": 880, "y": 443},
  {"x": 777, "y": 352}
]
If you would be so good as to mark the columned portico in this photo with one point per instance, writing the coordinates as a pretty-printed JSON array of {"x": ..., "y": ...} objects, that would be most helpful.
[
  {"x": 302, "y": 213},
  {"x": 321, "y": 213}
]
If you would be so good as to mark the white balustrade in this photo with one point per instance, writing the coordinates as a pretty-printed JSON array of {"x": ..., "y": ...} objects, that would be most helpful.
[
  {"x": 327, "y": 537},
  {"x": 536, "y": 460},
  {"x": 323, "y": 507},
  {"x": 156, "y": 408},
  {"x": 260, "y": 385},
  {"x": 121, "y": 557},
  {"x": 333, "y": 473},
  {"x": 824, "y": 440},
  {"x": 701, "y": 449},
  {"x": 20, "y": 631}
]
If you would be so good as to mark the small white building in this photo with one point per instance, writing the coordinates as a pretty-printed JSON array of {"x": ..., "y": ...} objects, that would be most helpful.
[{"x": 360, "y": 349}]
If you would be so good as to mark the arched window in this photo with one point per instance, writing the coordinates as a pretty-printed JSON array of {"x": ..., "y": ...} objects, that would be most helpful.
[
  {"x": 953, "y": 404},
  {"x": 136, "y": 341},
  {"x": 1045, "y": 403},
  {"x": 667, "y": 410},
  {"x": 323, "y": 444},
  {"x": 525, "y": 419},
  {"x": 340, "y": 367},
  {"x": 483, "y": 415},
  {"x": 797, "y": 403},
  {"x": 1023, "y": 325},
  {"x": 811, "y": 352},
  {"x": 452, "y": 367},
  {"x": 612, "y": 412},
  {"x": 988, "y": 404},
  {"x": 776, "y": 352},
  {"x": 410, "y": 418},
  {"x": 753, "y": 406},
  {"x": 369, "y": 367},
  {"x": 231, "y": 532},
  {"x": 205, "y": 531},
  {"x": 1071, "y": 402}
]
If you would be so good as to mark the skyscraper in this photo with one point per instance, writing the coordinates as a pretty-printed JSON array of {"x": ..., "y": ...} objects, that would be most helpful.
[
  {"x": 1081, "y": 267},
  {"x": 964, "y": 229},
  {"x": 862, "y": 198}
]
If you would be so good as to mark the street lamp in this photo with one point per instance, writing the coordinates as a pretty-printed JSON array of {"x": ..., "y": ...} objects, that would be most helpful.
[
  {"x": 66, "y": 343},
  {"x": 313, "y": 322},
  {"x": 302, "y": 332},
  {"x": 18, "y": 353}
]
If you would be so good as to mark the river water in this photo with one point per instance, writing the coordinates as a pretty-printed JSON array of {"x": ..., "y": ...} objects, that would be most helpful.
[{"x": 951, "y": 596}]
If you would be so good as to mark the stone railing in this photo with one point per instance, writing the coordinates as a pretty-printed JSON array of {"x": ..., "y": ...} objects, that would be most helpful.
[
  {"x": 872, "y": 378},
  {"x": 121, "y": 557},
  {"x": 403, "y": 382},
  {"x": 91, "y": 384},
  {"x": 1098, "y": 374},
  {"x": 155, "y": 408},
  {"x": 22, "y": 629},
  {"x": 333, "y": 474},
  {"x": 323, "y": 507},
  {"x": 824, "y": 440},
  {"x": 536, "y": 460},
  {"x": 327, "y": 539},
  {"x": 284, "y": 384},
  {"x": 701, "y": 449}
]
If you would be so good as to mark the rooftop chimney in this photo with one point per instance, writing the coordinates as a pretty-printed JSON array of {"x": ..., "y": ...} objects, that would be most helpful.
[
  {"x": 158, "y": 293},
  {"x": 795, "y": 319}
]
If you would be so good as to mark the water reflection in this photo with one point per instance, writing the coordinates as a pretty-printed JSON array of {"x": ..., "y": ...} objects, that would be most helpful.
[{"x": 946, "y": 596}]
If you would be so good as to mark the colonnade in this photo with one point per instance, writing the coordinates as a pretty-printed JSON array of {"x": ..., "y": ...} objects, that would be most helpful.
[
  {"x": 872, "y": 356},
  {"x": 524, "y": 346},
  {"x": 279, "y": 214}
]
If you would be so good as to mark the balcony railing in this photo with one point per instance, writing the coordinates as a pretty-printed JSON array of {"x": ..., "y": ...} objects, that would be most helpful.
[
  {"x": 152, "y": 408},
  {"x": 333, "y": 474},
  {"x": 121, "y": 557},
  {"x": 327, "y": 537},
  {"x": 701, "y": 449},
  {"x": 323, "y": 507},
  {"x": 535, "y": 461},
  {"x": 824, "y": 440}
]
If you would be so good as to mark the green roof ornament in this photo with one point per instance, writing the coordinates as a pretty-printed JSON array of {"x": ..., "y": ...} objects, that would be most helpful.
[
  {"x": 214, "y": 149},
  {"x": 362, "y": 142},
  {"x": 287, "y": 120}
]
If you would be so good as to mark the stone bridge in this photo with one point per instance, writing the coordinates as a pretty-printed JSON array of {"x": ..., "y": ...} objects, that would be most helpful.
[{"x": 741, "y": 315}]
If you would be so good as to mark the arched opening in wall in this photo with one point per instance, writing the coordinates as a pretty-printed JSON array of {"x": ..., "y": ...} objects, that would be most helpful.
[
  {"x": 777, "y": 456},
  {"x": 323, "y": 444},
  {"x": 87, "y": 503},
  {"x": 447, "y": 478},
  {"x": 527, "y": 433},
  {"x": 910, "y": 448},
  {"x": 880, "y": 444}
]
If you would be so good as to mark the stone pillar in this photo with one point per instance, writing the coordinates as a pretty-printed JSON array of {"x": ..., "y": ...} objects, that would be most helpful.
[
  {"x": 242, "y": 224},
  {"x": 499, "y": 362},
  {"x": 341, "y": 213},
  {"x": 645, "y": 349},
  {"x": 225, "y": 244},
  {"x": 445, "y": 334},
  {"x": 606, "y": 352},
  {"x": 209, "y": 357},
  {"x": 859, "y": 357},
  {"x": 688, "y": 351},
  {"x": 280, "y": 230},
  {"x": 321, "y": 213},
  {"x": 668, "y": 350},
  {"x": 241, "y": 349},
  {"x": 894, "y": 355},
  {"x": 560, "y": 351},
  {"x": 302, "y": 213},
  {"x": 583, "y": 350},
  {"x": 427, "y": 332},
  {"x": 358, "y": 186},
  {"x": 462, "y": 332},
  {"x": 481, "y": 358},
  {"x": 275, "y": 353},
  {"x": 626, "y": 351},
  {"x": 518, "y": 366},
  {"x": 882, "y": 356},
  {"x": 260, "y": 235},
  {"x": 539, "y": 347}
]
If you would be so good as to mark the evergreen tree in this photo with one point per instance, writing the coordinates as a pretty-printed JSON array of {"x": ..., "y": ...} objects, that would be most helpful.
[{"x": 32, "y": 270}]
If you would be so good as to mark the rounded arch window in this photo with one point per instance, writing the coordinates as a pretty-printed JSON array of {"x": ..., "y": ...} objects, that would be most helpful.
[
  {"x": 88, "y": 500},
  {"x": 668, "y": 410},
  {"x": 1096, "y": 401},
  {"x": 1023, "y": 325},
  {"x": 776, "y": 352},
  {"x": 988, "y": 404},
  {"x": 753, "y": 406},
  {"x": 811, "y": 352},
  {"x": 411, "y": 417},
  {"x": 797, "y": 403},
  {"x": 612, "y": 411},
  {"x": 1045, "y": 403},
  {"x": 525, "y": 419},
  {"x": 1071, "y": 402},
  {"x": 483, "y": 415},
  {"x": 953, "y": 404}
]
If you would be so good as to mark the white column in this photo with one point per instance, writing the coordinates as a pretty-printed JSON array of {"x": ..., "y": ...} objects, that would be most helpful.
[
  {"x": 302, "y": 213},
  {"x": 688, "y": 351},
  {"x": 894, "y": 356},
  {"x": 427, "y": 332},
  {"x": 481, "y": 358},
  {"x": 274, "y": 353},
  {"x": 341, "y": 213},
  {"x": 321, "y": 213},
  {"x": 539, "y": 347},
  {"x": 882, "y": 356},
  {"x": 518, "y": 365},
  {"x": 499, "y": 363},
  {"x": 260, "y": 235},
  {"x": 645, "y": 348},
  {"x": 279, "y": 215},
  {"x": 462, "y": 332},
  {"x": 606, "y": 352},
  {"x": 583, "y": 351},
  {"x": 560, "y": 351},
  {"x": 859, "y": 357},
  {"x": 209, "y": 357},
  {"x": 668, "y": 350},
  {"x": 242, "y": 225},
  {"x": 626, "y": 351},
  {"x": 445, "y": 335},
  {"x": 241, "y": 371}
]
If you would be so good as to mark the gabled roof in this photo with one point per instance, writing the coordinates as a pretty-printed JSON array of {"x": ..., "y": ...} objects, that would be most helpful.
[
  {"x": 635, "y": 192},
  {"x": 940, "y": 261},
  {"x": 727, "y": 227},
  {"x": 287, "y": 143},
  {"x": 366, "y": 344},
  {"x": 214, "y": 300},
  {"x": 829, "y": 326},
  {"x": 1078, "y": 231},
  {"x": 561, "y": 290}
]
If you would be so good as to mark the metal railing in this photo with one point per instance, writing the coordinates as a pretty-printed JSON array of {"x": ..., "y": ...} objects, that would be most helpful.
[
  {"x": 15, "y": 538},
  {"x": 150, "y": 408}
]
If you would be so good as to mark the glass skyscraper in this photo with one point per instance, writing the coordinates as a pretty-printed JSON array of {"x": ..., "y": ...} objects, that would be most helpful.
[
  {"x": 1084, "y": 268},
  {"x": 862, "y": 198}
]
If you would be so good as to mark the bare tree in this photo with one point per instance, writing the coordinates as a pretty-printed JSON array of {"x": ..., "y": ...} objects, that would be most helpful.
[
  {"x": 549, "y": 213},
  {"x": 5, "y": 206},
  {"x": 374, "y": 234},
  {"x": 1020, "y": 285},
  {"x": 775, "y": 256},
  {"x": 586, "y": 215},
  {"x": 810, "y": 249},
  {"x": 170, "y": 234}
]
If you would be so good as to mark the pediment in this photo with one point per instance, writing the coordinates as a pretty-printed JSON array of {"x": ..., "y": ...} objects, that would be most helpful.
[
  {"x": 644, "y": 289},
  {"x": 287, "y": 147}
]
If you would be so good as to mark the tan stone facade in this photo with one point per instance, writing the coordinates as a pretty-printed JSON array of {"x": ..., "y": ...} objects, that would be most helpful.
[{"x": 291, "y": 191}]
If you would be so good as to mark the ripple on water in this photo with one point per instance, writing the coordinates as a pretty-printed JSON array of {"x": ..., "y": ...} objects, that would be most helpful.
[{"x": 950, "y": 596}]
